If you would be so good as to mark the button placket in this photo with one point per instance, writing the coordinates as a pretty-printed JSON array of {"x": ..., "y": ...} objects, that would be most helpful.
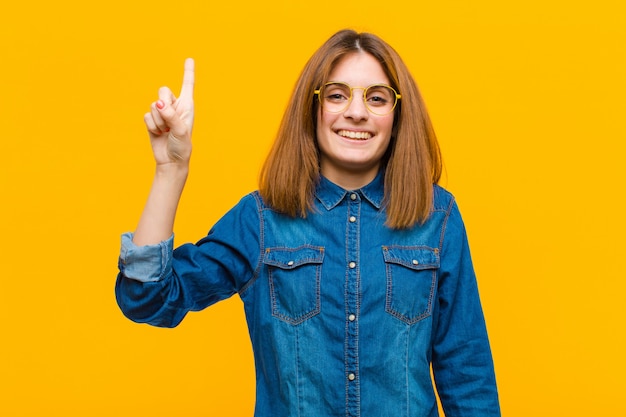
[{"x": 353, "y": 294}]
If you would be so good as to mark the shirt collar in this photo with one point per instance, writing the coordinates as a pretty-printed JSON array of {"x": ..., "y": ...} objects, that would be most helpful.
[{"x": 330, "y": 194}]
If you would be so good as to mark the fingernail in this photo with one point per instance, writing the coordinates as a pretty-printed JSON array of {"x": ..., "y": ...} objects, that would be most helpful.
[{"x": 160, "y": 104}]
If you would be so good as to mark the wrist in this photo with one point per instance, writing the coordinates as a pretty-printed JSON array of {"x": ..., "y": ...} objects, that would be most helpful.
[{"x": 172, "y": 170}]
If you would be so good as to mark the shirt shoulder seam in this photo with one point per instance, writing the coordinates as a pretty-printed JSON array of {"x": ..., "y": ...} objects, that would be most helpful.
[{"x": 259, "y": 263}]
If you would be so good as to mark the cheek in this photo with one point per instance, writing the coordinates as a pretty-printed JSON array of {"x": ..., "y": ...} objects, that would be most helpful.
[
  {"x": 324, "y": 120},
  {"x": 387, "y": 126},
  {"x": 323, "y": 129}
]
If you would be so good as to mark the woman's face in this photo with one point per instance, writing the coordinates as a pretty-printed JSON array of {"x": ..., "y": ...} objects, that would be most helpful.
[{"x": 353, "y": 142}]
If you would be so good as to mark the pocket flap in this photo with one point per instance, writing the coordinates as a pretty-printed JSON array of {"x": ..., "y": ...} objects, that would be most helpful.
[
  {"x": 289, "y": 258},
  {"x": 414, "y": 257}
]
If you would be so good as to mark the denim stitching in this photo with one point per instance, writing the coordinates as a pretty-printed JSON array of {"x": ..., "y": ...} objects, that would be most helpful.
[
  {"x": 357, "y": 294},
  {"x": 389, "y": 275},
  {"x": 445, "y": 223},
  {"x": 257, "y": 270},
  {"x": 406, "y": 371},
  {"x": 358, "y": 311},
  {"x": 164, "y": 260},
  {"x": 298, "y": 387},
  {"x": 296, "y": 320}
]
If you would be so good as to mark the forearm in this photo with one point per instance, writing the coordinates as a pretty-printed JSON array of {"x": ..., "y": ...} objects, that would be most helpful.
[{"x": 157, "y": 220}]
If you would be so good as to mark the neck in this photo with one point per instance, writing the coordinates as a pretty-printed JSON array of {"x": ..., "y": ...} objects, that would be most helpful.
[{"x": 349, "y": 180}]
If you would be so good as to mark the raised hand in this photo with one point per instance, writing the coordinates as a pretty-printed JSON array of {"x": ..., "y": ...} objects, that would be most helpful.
[{"x": 170, "y": 121}]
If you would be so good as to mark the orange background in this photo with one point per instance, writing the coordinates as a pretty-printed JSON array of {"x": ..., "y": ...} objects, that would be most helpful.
[{"x": 527, "y": 99}]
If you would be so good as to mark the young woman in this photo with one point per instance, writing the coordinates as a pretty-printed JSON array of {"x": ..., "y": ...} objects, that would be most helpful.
[{"x": 352, "y": 264}]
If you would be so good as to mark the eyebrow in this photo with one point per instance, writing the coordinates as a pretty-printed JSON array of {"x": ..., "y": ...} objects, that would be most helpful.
[{"x": 358, "y": 86}]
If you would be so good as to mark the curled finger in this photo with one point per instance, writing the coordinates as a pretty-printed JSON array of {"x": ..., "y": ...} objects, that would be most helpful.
[
  {"x": 151, "y": 125},
  {"x": 157, "y": 119}
]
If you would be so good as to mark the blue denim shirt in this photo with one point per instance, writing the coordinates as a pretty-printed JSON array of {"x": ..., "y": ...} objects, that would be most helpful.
[{"x": 345, "y": 315}]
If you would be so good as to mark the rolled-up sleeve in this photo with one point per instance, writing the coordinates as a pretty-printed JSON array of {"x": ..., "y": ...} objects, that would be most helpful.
[
  {"x": 159, "y": 285},
  {"x": 147, "y": 263}
]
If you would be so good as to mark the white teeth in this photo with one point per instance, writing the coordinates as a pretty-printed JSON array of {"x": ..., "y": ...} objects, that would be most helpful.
[{"x": 354, "y": 135}]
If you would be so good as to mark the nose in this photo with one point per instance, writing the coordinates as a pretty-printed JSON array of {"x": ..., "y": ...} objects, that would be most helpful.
[{"x": 356, "y": 109}]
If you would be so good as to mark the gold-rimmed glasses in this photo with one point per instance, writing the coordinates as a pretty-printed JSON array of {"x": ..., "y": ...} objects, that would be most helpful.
[{"x": 379, "y": 99}]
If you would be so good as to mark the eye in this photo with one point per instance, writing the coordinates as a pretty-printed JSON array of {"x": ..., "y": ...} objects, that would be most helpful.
[
  {"x": 379, "y": 96},
  {"x": 377, "y": 99},
  {"x": 336, "y": 97},
  {"x": 336, "y": 92}
]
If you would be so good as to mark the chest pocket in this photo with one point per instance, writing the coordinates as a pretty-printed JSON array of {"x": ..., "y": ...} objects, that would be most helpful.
[
  {"x": 294, "y": 280},
  {"x": 411, "y": 278}
]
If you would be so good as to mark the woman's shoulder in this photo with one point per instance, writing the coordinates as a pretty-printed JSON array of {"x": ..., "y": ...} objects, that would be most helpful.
[
  {"x": 248, "y": 207},
  {"x": 251, "y": 200},
  {"x": 442, "y": 198}
]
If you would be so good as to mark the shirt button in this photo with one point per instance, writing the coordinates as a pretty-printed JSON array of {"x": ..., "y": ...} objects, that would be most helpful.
[
  {"x": 290, "y": 263},
  {"x": 351, "y": 376},
  {"x": 415, "y": 262},
  {"x": 353, "y": 196},
  {"x": 352, "y": 219},
  {"x": 351, "y": 317},
  {"x": 352, "y": 265}
]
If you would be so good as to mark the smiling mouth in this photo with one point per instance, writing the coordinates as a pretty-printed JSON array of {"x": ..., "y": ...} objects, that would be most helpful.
[{"x": 354, "y": 135}]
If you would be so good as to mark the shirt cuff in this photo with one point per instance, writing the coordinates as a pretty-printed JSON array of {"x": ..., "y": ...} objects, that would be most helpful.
[{"x": 149, "y": 263}]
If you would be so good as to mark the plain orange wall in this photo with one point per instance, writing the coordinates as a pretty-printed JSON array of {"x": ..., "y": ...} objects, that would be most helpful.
[{"x": 527, "y": 99}]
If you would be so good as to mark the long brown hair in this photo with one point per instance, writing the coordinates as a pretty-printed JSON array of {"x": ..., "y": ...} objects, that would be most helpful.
[{"x": 412, "y": 163}]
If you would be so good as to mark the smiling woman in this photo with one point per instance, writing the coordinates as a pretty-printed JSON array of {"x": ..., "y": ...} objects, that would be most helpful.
[
  {"x": 412, "y": 162},
  {"x": 353, "y": 141},
  {"x": 352, "y": 263}
]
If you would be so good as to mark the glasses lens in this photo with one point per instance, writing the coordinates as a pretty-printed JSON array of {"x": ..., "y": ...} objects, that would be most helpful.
[
  {"x": 336, "y": 97},
  {"x": 380, "y": 99}
]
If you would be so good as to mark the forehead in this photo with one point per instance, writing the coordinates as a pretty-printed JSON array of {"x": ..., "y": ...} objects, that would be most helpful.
[{"x": 359, "y": 69}]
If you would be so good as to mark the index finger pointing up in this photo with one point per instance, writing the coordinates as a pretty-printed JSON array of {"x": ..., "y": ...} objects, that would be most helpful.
[{"x": 188, "y": 78}]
